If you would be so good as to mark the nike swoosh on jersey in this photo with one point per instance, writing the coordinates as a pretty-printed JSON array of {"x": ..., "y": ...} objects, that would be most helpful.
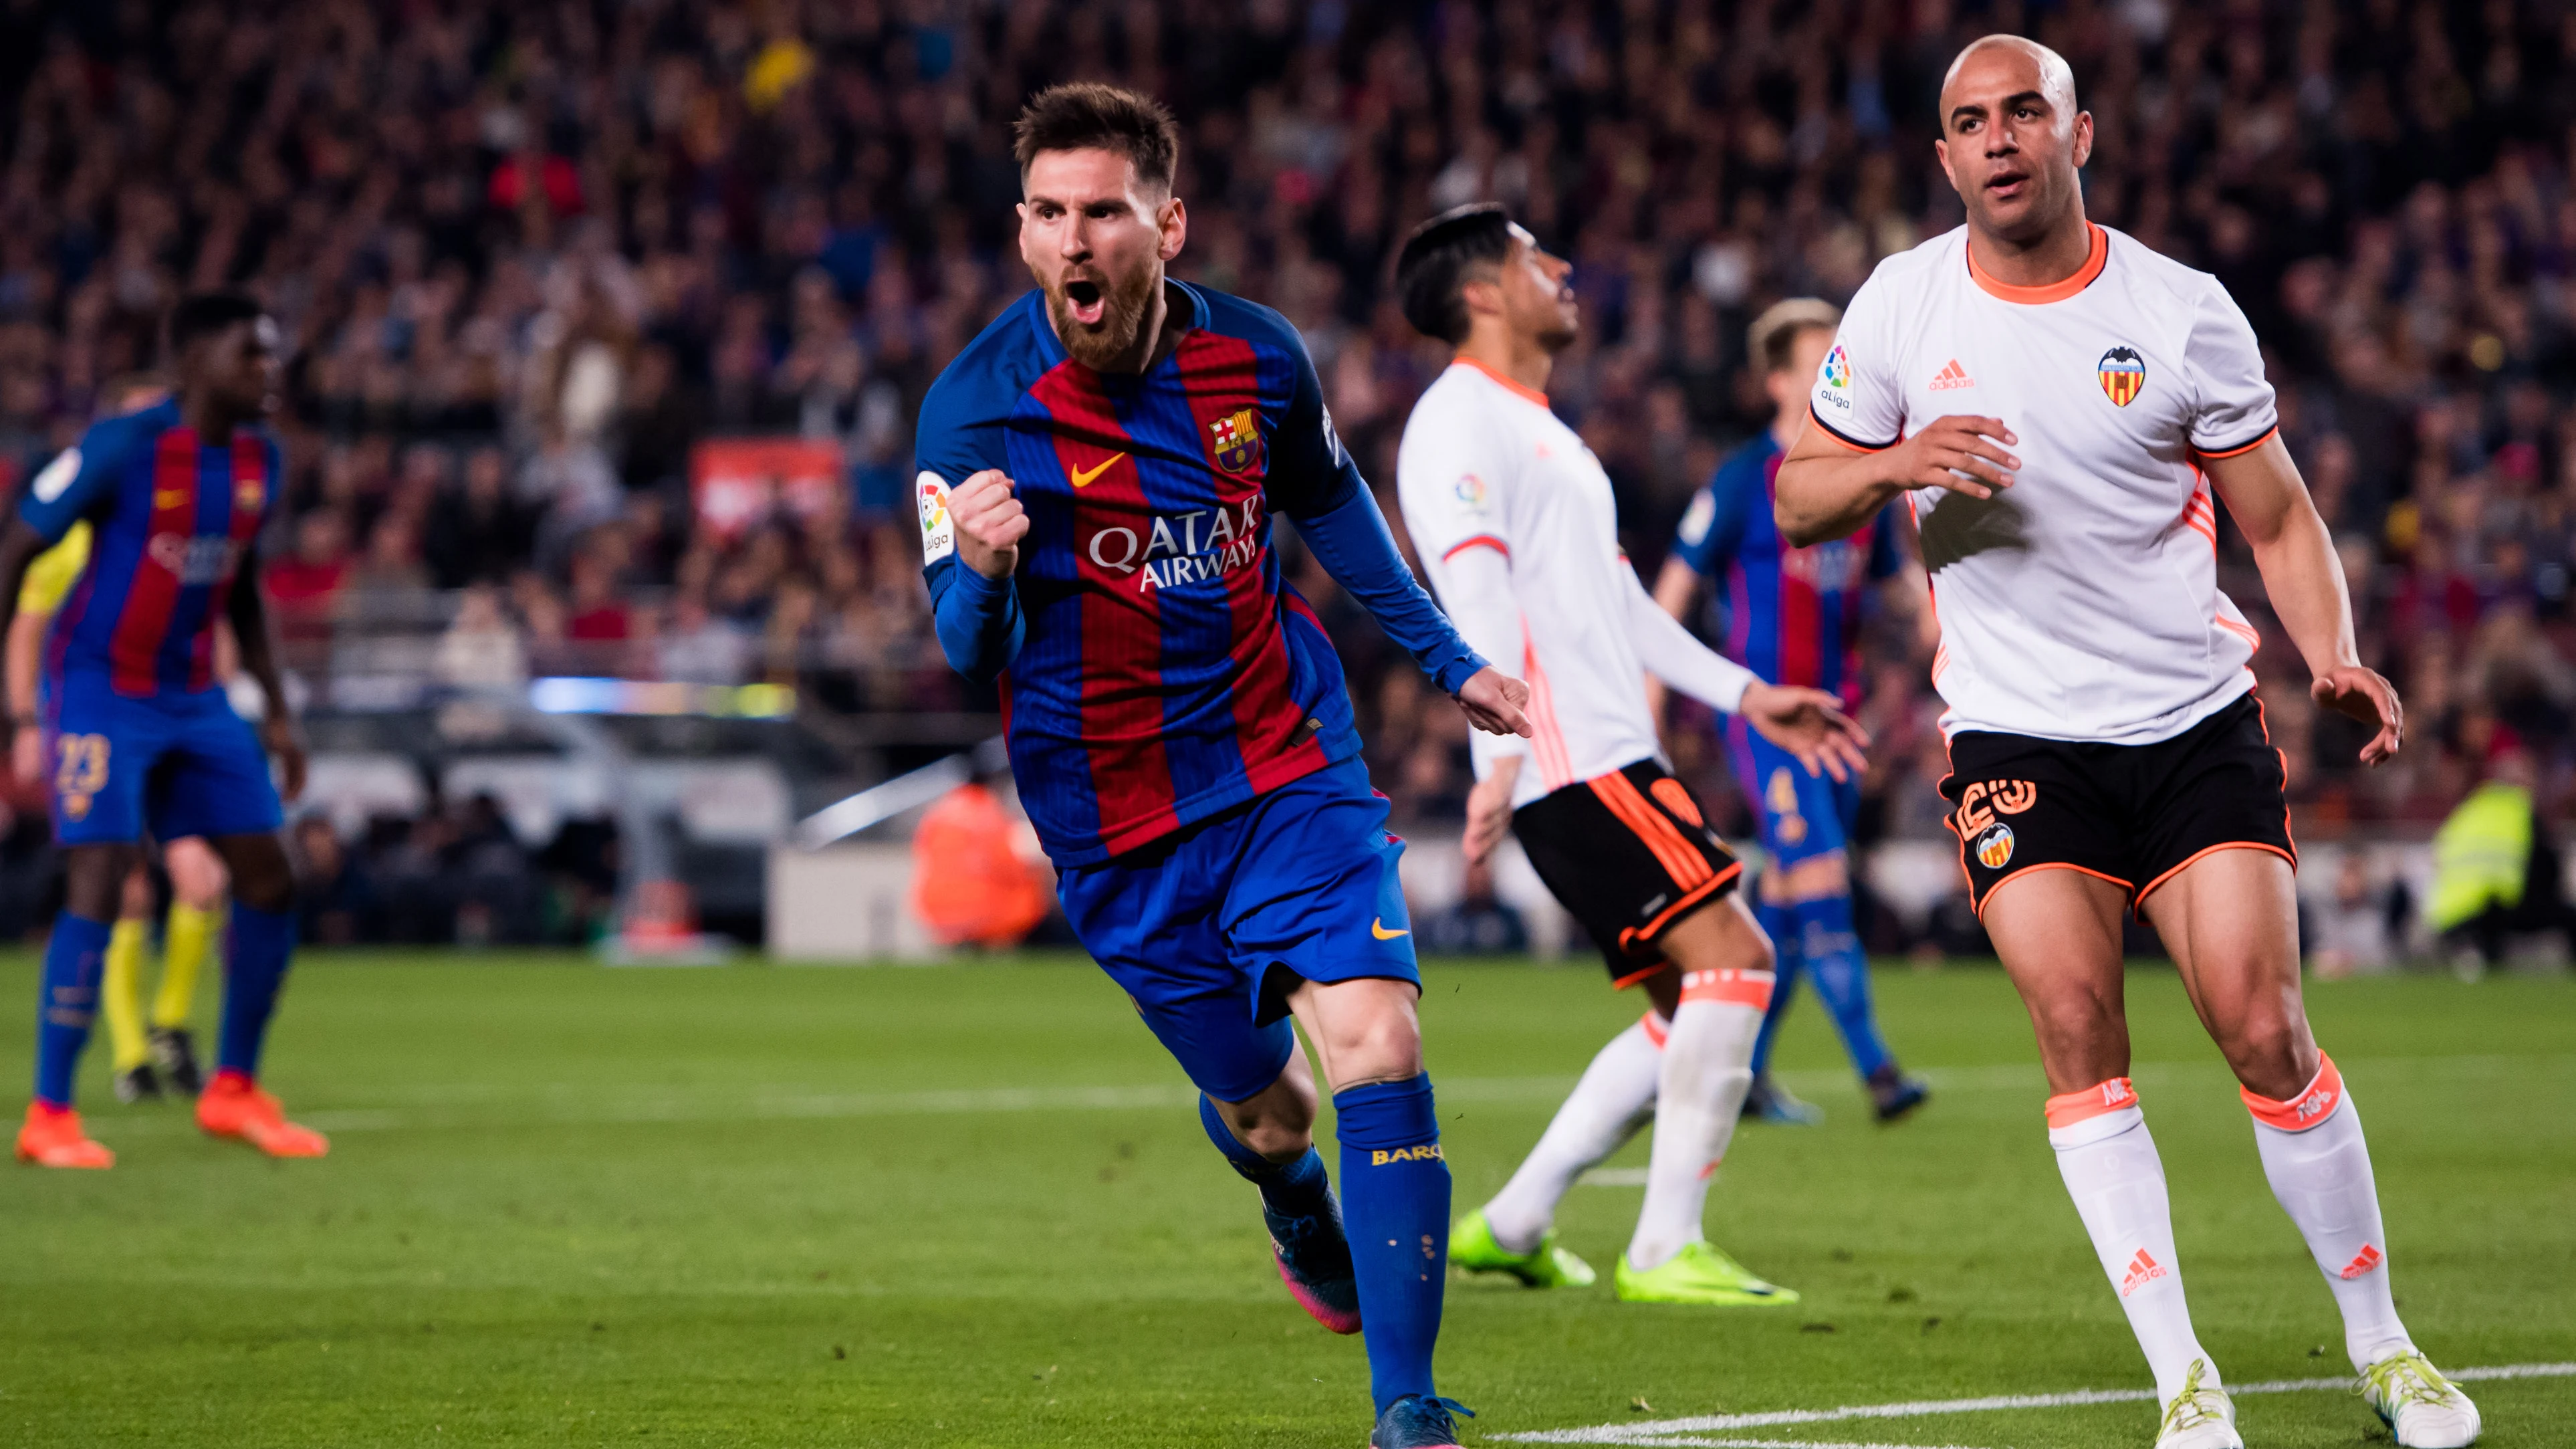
[
  {"x": 1378, "y": 929},
  {"x": 1082, "y": 476}
]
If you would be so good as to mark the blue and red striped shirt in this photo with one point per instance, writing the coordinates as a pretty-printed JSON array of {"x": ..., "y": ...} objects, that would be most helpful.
[
  {"x": 1155, "y": 667},
  {"x": 174, "y": 518},
  {"x": 1793, "y": 615}
]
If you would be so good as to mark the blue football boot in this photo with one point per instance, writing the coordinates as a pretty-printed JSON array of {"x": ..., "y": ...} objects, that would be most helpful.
[{"x": 1418, "y": 1421}]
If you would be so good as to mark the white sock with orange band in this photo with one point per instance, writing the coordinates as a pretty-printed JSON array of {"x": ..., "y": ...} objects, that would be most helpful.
[
  {"x": 2111, "y": 1169},
  {"x": 1615, "y": 1097},
  {"x": 1707, "y": 1069},
  {"x": 2319, "y": 1168}
]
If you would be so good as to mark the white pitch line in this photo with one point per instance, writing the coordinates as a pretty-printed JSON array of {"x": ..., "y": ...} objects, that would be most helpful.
[{"x": 1664, "y": 1431}]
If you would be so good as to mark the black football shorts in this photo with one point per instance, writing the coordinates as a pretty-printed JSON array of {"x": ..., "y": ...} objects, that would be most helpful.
[
  {"x": 1628, "y": 854},
  {"x": 2132, "y": 815}
]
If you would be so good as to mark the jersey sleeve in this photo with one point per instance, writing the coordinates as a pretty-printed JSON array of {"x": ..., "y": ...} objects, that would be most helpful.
[
  {"x": 78, "y": 483},
  {"x": 2232, "y": 405},
  {"x": 978, "y": 620},
  {"x": 1712, "y": 527},
  {"x": 1857, "y": 398},
  {"x": 1455, "y": 479}
]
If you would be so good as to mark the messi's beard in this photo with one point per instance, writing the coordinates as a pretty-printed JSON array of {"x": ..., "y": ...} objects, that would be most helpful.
[{"x": 1122, "y": 317}]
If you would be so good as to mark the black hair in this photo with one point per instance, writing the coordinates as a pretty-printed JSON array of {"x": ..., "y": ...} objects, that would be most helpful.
[
  {"x": 203, "y": 314},
  {"x": 1438, "y": 257},
  {"x": 1081, "y": 115}
]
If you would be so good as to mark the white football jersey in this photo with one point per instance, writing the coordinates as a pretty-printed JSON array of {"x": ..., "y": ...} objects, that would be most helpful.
[
  {"x": 2082, "y": 603},
  {"x": 1486, "y": 470}
]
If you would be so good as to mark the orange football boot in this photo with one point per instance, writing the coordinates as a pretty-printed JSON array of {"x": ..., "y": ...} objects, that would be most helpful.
[
  {"x": 234, "y": 1106},
  {"x": 52, "y": 1137}
]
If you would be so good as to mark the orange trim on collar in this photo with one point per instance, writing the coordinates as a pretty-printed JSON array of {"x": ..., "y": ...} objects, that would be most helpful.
[
  {"x": 1524, "y": 389},
  {"x": 2059, "y": 291}
]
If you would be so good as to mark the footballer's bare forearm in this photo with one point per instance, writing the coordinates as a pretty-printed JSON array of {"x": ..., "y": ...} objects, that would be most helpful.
[
  {"x": 25, "y": 642},
  {"x": 1824, "y": 495},
  {"x": 18, "y": 549}
]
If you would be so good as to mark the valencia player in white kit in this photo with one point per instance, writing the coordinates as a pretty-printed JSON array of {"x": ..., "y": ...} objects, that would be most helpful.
[
  {"x": 1516, "y": 527},
  {"x": 2061, "y": 408}
]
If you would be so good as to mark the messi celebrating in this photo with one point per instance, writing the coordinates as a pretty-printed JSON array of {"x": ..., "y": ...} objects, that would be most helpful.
[
  {"x": 1099, "y": 470},
  {"x": 2059, "y": 404}
]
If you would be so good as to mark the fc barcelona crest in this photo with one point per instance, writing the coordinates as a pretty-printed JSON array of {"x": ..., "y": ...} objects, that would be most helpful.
[
  {"x": 1238, "y": 440},
  {"x": 2123, "y": 372}
]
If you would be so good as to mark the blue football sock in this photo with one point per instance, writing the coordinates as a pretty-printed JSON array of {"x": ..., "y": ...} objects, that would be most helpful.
[
  {"x": 1832, "y": 950},
  {"x": 75, "y": 958},
  {"x": 1298, "y": 1189},
  {"x": 254, "y": 967},
  {"x": 1781, "y": 925},
  {"x": 1395, "y": 1199}
]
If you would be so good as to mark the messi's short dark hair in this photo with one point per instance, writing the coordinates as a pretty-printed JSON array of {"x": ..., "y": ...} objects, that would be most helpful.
[
  {"x": 1439, "y": 257},
  {"x": 203, "y": 314},
  {"x": 1083, "y": 115}
]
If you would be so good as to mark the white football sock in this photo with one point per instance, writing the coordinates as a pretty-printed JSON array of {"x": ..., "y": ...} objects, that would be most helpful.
[
  {"x": 2319, "y": 1167},
  {"x": 1708, "y": 1067},
  {"x": 2111, "y": 1169},
  {"x": 1615, "y": 1097}
]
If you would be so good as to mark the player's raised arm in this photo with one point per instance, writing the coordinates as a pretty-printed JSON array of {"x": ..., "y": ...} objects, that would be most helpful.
[
  {"x": 971, "y": 547},
  {"x": 2304, "y": 576}
]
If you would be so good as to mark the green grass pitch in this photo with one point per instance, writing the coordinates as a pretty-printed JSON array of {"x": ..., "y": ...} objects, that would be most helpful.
[{"x": 569, "y": 1205}]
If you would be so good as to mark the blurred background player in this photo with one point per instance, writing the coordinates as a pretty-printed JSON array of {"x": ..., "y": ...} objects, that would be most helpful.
[
  {"x": 1100, "y": 468},
  {"x": 970, "y": 884},
  {"x": 2108, "y": 756},
  {"x": 159, "y": 1049},
  {"x": 139, "y": 735},
  {"x": 1793, "y": 616},
  {"x": 1518, "y": 530}
]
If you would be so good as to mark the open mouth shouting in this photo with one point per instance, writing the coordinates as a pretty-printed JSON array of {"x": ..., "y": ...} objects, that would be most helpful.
[{"x": 1086, "y": 300}]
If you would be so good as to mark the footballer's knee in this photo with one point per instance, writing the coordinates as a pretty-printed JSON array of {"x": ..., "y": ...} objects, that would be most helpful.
[
  {"x": 1278, "y": 1121},
  {"x": 2083, "y": 1034},
  {"x": 261, "y": 877},
  {"x": 137, "y": 902},
  {"x": 196, "y": 872},
  {"x": 2272, "y": 1054}
]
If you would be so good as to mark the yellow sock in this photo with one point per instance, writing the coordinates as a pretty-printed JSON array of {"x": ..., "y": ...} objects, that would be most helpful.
[
  {"x": 183, "y": 952},
  {"x": 121, "y": 994}
]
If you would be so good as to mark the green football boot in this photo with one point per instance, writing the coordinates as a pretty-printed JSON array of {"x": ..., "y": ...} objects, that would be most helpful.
[
  {"x": 1472, "y": 1247},
  {"x": 1699, "y": 1273}
]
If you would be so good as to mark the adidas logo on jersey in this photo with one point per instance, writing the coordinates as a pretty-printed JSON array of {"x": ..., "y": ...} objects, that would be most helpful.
[
  {"x": 1950, "y": 376},
  {"x": 2142, "y": 1271}
]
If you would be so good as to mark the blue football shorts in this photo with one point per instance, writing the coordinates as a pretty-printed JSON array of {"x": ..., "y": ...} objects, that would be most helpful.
[
  {"x": 171, "y": 764},
  {"x": 1210, "y": 928},
  {"x": 1798, "y": 816}
]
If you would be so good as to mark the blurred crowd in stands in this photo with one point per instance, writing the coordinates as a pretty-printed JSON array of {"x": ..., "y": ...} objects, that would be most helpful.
[{"x": 528, "y": 256}]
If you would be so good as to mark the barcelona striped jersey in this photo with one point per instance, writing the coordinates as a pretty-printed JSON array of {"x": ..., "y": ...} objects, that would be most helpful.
[
  {"x": 1168, "y": 672},
  {"x": 1793, "y": 615},
  {"x": 173, "y": 516}
]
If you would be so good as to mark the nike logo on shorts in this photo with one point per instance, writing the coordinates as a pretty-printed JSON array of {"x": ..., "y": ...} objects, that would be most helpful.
[{"x": 1378, "y": 929}]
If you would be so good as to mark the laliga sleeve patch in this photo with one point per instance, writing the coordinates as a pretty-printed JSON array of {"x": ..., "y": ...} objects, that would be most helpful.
[
  {"x": 938, "y": 530},
  {"x": 1695, "y": 521},
  {"x": 58, "y": 475}
]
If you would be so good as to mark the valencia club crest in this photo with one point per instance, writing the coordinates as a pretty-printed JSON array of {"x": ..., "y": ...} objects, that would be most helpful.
[
  {"x": 1238, "y": 440},
  {"x": 2123, "y": 372}
]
